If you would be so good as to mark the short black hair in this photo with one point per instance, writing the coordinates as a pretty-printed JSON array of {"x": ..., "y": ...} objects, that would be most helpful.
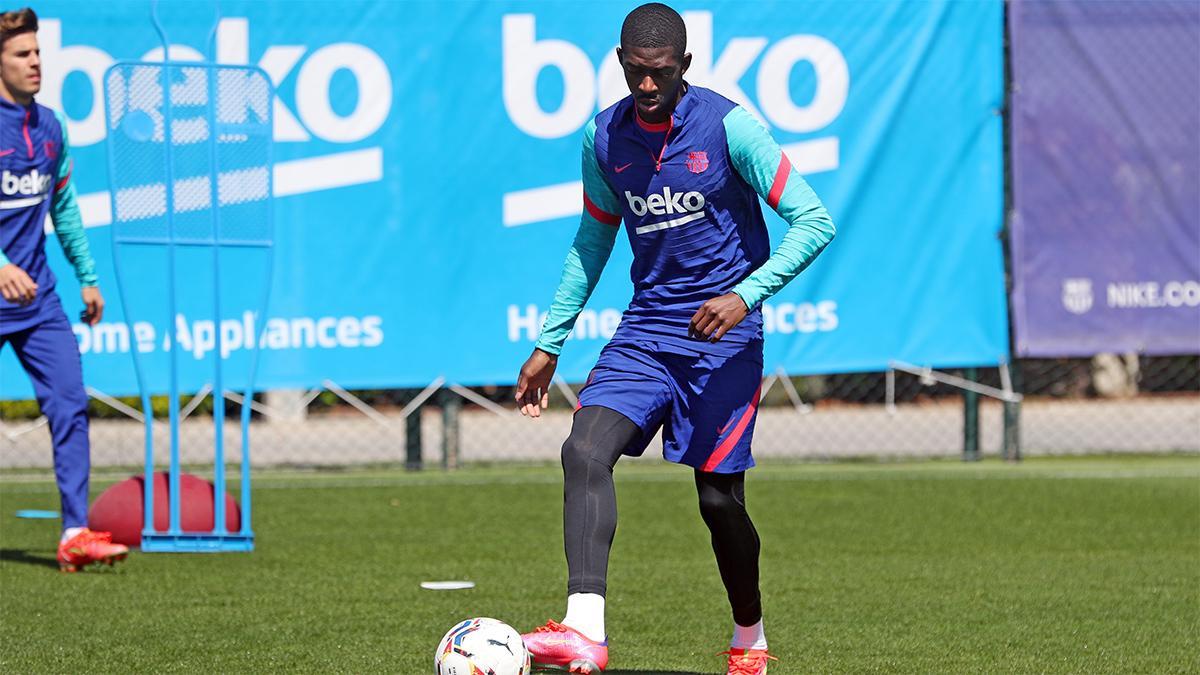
[{"x": 654, "y": 25}]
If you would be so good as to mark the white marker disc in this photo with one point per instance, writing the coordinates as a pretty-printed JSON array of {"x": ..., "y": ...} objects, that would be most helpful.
[{"x": 447, "y": 585}]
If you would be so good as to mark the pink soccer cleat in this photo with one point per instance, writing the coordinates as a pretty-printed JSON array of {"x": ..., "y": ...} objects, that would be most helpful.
[
  {"x": 748, "y": 661},
  {"x": 89, "y": 547},
  {"x": 558, "y": 647}
]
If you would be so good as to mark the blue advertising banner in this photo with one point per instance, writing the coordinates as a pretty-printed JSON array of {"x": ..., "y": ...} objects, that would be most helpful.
[
  {"x": 1106, "y": 164},
  {"x": 427, "y": 181}
]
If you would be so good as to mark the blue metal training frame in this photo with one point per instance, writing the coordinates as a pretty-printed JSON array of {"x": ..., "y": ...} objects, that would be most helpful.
[{"x": 140, "y": 102}]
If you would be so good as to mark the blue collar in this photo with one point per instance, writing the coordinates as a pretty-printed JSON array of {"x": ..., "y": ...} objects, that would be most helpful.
[{"x": 15, "y": 111}]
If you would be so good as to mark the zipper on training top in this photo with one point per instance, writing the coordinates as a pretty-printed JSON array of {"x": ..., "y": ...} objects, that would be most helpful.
[
  {"x": 28, "y": 140},
  {"x": 658, "y": 160}
]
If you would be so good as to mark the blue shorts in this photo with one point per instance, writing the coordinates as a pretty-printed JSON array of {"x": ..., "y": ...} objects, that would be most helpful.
[{"x": 705, "y": 404}]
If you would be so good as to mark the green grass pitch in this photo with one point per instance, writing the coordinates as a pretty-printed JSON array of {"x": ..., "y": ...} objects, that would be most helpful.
[{"x": 1065, "y": 565}]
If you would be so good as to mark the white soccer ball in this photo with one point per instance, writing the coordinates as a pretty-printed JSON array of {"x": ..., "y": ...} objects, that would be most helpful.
[{"x": 481, "y": 646}]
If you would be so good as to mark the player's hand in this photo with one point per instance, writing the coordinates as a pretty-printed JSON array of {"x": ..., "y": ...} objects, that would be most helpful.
[
  {"x": 93, "y": 303},
  {"x": 717, "y": 317},
  {"x": 533, "y": 384},
  {"x": 16, "y": 286}
]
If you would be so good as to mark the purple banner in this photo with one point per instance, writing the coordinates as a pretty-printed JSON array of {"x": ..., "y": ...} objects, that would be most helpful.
[{"x": 1106, "y": 177}]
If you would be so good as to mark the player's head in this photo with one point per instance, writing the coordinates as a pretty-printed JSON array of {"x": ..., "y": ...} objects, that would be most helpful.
[
  {"x": 653, "y": 55},
  {"x": 20, "y": 59}
]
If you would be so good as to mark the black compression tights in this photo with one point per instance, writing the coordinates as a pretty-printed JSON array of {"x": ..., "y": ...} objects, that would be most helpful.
[
  {"x": 598, "y": 435},
  {"x": 597, "y": 438},
  {"x": 734, "y": 540}
]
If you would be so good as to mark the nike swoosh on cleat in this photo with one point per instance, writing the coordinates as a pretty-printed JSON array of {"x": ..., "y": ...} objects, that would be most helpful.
[
  {"x": 7, "y": 152},
  {"x": 618, "y": 169}
]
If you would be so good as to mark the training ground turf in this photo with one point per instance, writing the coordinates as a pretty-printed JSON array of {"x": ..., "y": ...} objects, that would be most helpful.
[{"x": 1064, "y": 565}]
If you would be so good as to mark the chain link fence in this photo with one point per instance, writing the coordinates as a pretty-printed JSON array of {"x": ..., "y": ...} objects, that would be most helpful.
[{"x": 1106, "y": 404}]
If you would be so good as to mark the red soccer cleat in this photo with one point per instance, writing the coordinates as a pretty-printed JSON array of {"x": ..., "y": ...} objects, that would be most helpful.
[
  {"x": 558, "y": 647},
  {"x": 748, "y": 661},
  {"x": 89, "y": 547}
]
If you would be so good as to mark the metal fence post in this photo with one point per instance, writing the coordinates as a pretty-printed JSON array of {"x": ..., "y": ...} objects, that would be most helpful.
[
  {"x": 451, "y": 407},
  {"x": 412, "y": 435},
  {"x": 970, "y": 419},
  {"x": 1012, "y": 420}
]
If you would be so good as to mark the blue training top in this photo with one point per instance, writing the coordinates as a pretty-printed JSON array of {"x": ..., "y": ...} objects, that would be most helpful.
[
  {"x": 35, "y": 180},
  {"x": 688, "y": 190}
]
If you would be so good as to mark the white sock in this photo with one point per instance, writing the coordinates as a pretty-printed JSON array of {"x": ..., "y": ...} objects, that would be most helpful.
[
  {"x": 585, "y": 613},
  {"x": 70, "y": 532},
  {"x": 749, "y": 637}
]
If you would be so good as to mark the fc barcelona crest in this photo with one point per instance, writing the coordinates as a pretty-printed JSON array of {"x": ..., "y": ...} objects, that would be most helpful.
[{"x": 697, "y": 161}]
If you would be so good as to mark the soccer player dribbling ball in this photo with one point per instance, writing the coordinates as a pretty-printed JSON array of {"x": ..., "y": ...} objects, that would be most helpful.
[
  {"x": 684, "y": 168},
  {"x": 35, "y": 168}
]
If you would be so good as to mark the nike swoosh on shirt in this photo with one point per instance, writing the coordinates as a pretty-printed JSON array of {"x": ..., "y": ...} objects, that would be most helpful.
[
  {"x": 7, "y": 152},
  {"x": 618, "y": 169}
]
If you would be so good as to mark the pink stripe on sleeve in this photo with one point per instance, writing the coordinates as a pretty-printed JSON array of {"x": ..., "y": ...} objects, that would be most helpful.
[
  {"x": 599, "y": 213},
  {"x": 781, "y": 176},
  {"x": 65, "y": 179}
]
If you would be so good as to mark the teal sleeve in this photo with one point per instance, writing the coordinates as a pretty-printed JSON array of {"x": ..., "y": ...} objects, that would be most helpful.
[
  {"x": 4, "y": 259},
  {"x": 760, "y": 161},
  {"x": 588, "y": 253},
  {"x": 68, "y": 224}
]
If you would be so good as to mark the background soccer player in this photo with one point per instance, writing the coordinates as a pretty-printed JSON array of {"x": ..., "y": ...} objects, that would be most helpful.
[
  {"x": 684, "y": 168},
  {"x": 35, "y": 169}
]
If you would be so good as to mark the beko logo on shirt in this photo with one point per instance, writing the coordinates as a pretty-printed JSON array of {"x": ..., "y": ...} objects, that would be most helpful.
[
  {"x": 665, "y": 203},
  {"x": 30, "y": 184}
]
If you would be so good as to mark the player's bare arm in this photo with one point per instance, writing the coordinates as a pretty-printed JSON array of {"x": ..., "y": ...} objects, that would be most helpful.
[
  {"x": 16, "y": 286},
  {"x": 533, "y": 384}
]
